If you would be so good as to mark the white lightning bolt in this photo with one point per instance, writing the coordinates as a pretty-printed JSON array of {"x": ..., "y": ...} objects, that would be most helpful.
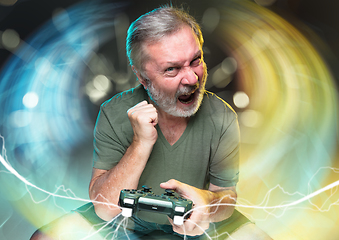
[{"x": 123, "y": 223}]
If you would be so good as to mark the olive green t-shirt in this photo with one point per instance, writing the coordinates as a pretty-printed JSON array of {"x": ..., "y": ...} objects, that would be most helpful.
[{"x": 207, "y": 152}]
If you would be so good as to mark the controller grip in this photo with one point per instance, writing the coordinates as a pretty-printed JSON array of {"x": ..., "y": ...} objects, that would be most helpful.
[{"x": 126, "y": 212}]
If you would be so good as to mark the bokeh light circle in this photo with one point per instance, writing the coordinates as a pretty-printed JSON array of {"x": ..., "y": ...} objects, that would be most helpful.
[{"x": 30, "y": 100}]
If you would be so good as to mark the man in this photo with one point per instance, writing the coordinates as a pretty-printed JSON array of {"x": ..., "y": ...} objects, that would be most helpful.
[{"x": 167, "y": 133}]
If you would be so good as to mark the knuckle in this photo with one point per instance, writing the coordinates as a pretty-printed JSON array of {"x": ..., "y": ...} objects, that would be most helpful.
[
  {"x": 131, "y": 115},
  {"x": 172, "y": 181},
  {"x": 137, "y": 117}
]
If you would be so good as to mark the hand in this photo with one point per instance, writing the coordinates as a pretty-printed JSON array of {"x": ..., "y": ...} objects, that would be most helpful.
[
  {"x": 199, "y": 220},
  {"x": 144, "y": 118}
]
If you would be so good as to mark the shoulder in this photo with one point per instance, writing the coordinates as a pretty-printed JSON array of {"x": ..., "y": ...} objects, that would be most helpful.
[
  {"x": 112, "y": 119},
  {"x": 216, "y": 107},
  {"x": 215, "y": 114},
  {"x": 124, "y": 100}
]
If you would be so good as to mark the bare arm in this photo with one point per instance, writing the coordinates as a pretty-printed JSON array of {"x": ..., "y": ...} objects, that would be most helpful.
[
  {"x": 220, "y": 197},
  {"x": 105, "y": 185},
  {"x": 212, "y": 205}
]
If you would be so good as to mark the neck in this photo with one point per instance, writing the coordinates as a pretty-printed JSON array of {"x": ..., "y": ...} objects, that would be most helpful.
[{"x": 172, "y": 127}]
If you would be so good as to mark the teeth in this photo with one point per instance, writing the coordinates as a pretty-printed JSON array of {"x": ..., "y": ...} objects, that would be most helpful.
[
  {"x": 190, "y": 101},
  {"x": 186, "y": 102}
]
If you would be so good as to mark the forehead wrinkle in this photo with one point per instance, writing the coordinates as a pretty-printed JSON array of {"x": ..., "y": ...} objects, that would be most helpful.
[{"x": 161, "y": 61}]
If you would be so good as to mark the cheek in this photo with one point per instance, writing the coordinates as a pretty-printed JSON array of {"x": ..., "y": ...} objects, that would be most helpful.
[
  {"x": 171, "y": 84},
  {"x": 169, "y": 87},
  {"x": 200, "y": 70}
]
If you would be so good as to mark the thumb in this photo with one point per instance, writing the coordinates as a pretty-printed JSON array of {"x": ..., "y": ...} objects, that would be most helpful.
[{"x": 170, "y": 184}]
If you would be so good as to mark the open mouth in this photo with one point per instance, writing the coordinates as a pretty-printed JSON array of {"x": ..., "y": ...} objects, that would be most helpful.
[{"x": 186, "y": 99}]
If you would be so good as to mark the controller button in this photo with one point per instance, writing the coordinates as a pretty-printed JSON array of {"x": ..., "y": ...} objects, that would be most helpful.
[
  {"x": 146, "y": 188},
  {"x": 177, "y": 220},
  {"x": 127, "y": 212},
  {"x": 169, "y": 192},
  {"x": 179, "y": 209},
  {"x": 128, "y": 201}
]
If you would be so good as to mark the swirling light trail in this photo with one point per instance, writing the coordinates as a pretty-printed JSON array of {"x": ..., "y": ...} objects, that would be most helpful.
[
  {"x": 290, "y": 127},
  {"x": 289, "y": 124}
]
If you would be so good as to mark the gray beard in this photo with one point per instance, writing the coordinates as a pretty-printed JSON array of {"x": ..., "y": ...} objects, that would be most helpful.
[{"x": 169, "y": 104}]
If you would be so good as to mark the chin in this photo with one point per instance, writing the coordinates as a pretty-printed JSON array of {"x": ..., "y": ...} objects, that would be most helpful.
[
  {"x": 188, "y": 111},
  {"x": 174, "y": 107},
  {"x": 181, "y": 111}
]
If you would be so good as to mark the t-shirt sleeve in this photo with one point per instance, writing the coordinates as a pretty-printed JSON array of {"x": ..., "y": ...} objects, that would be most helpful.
[
  {"x": 224, "y": 167},
  {"x": 108, "y": 149}
]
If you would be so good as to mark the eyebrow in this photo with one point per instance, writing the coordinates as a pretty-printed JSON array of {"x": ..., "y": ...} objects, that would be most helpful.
[{"x": 197, "y": 54}]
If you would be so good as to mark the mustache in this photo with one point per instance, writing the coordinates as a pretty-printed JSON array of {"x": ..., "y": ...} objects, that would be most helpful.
[
  {"x": 189, "y": 89},
  {"x": 186, "y": 90}
]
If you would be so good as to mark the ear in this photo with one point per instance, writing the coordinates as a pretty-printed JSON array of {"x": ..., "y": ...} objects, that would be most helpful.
[{"x": 140, "y": 78}]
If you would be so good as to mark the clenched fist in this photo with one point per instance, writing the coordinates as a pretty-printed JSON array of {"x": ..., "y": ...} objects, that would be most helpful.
[{"x": 144, "y": 118}]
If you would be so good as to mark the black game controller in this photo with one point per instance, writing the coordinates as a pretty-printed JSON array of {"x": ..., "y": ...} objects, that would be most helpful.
[{"x": 132, "y": 201}]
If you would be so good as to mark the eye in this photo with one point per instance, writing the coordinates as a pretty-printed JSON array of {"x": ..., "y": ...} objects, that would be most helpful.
[
  {"x": 196, "y": 62},
  {"x": 172, "y": 71}
]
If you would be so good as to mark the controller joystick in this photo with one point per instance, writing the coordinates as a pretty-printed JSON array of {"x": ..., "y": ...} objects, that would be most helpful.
[
  {"x": 169, "y": 192},
  {"x": 132, "y": 201},
  {"x": 146, "y": 188}
]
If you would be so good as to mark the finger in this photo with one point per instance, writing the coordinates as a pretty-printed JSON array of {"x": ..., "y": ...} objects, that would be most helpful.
[
  {"x": 142, "y": 103},
  {"x": 199, "y": 221},
  {"x": 155, "y": 119},
  {"x": 191, "y": 223},
  {"x": 143, "y": 117},
  {"x": 177, "y": 228},
  {"x": 196, "y": 228},
  {"x": 188, "y": 228},
  {"x": 144, "y": 110},
  {"x": 182, "y": 189},
  {"x": 149, "y": 108},
  {"x": 171, "y": 184}
]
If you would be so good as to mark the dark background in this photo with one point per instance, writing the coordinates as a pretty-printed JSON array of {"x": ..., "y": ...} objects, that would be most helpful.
[{"x": 27, "y": 16}]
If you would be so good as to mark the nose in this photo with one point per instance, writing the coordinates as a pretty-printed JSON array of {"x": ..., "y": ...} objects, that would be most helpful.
[{"x": 189, "y": 77}]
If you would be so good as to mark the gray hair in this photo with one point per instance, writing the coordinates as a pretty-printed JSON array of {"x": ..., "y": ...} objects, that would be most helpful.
[{"x": 153, "y": 26}]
